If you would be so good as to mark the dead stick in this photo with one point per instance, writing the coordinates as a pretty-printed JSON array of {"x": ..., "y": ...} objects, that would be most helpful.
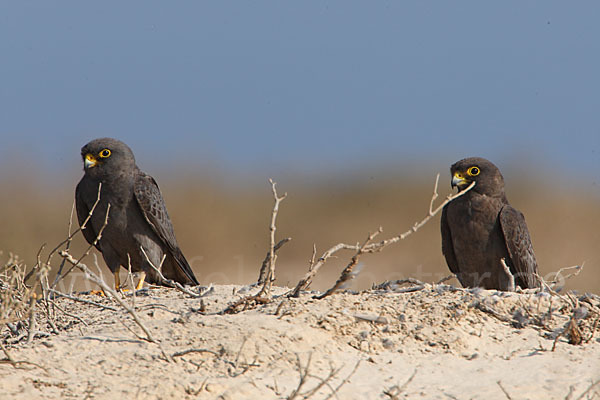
[
  {"x": 59, "y": 277},
  {"x": 269, "y": 277},
  {"x": 265, "y": 263},
  {"x": 376, "y": 247},
  {"x": 347, "y": 273},
  {"x": 78, "y": 299},
  {"x": 107, "y": 289}
]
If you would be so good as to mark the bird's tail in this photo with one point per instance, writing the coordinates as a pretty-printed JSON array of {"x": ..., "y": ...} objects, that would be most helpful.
[{"x": 187, "y": 276}]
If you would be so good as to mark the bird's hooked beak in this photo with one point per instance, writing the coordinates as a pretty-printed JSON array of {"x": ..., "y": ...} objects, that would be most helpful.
[
  {"x": 458, "y": 180},
  {"x": 89, "y": 161}
]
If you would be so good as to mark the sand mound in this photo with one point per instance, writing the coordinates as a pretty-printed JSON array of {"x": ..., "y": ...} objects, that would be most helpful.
[{"x": 434, "y": 342}]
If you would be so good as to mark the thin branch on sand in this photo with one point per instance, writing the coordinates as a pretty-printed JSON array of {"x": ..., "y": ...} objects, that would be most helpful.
[
  {"x": 83, "y": 226},
  {"x": 169, "y": 282},
  {"x": 395, "y": 391},
  {"x": 511, "y": 280},
  {"x": 346, "y": 379},
  {"x": 70, "y": 237},
  {"x": 267, "y": 271},
  {"x": 305, "y": 282},
  {"x": 303, "y": 376},
  {"x": 348, "y": 273},
  {"x": 188, "y": 351},
  {"x": 265, "y": 264},
  {"x": 503, "y": 389},
  {"x": 107, "y": 289},
  {"x": 15, "y": 363}
]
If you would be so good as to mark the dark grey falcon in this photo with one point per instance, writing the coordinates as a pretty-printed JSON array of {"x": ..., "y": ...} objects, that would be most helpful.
[
  {"x": 480, "y": 228},
  {"x": 137, "y": 217}
]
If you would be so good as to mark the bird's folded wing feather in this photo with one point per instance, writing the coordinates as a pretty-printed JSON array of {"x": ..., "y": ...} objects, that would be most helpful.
[
  {"x": 153, "y": 207},
  {"x": 520, "y": 249},
  {"x": 447, "y": 246},
  {"x": 154, "y": 210}
]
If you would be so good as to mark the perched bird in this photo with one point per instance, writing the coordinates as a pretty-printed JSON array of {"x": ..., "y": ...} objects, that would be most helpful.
[
  {"x": 137, "y": 216},
  {"x": 480, "y": 229}
]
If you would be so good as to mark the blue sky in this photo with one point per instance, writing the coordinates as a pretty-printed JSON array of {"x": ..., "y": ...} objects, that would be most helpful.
[{"x": 303, "y": 86}]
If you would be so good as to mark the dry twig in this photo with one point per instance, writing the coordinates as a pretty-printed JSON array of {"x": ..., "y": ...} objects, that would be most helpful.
[
  {"x": 245, "y": 303},
  {"x": 504, "y": 390},
  {"x": 347, "y": 273},
  {"x": 83, "y": 226},
  {"x": 15, "y": 363},
  {"x": 305, "y": 282},
  {"x": 303, "y": 376},
  {"x": 267, "y": 272},
  {"x": 395, "y": 391},
  {"x": 17, "y": 300},
  {"x": 265, "y": 264},
  {"x": 393, "y": 285},
  {"x": 588, "y": 390},
  {"x": 511, "y": 281},
  {"x": 80, "y": 300},
  {"x": 107, "y": 289},
  {"x": 188, "y": 351},
  {"x": 346, "y": 379},
  {"x": 169, "y": 282}
]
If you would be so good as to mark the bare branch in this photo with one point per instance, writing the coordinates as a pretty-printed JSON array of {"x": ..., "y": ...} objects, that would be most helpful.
[
  {"x": 347, "y": 273},
  {"x": 307, "y": 279},
  {"x": 431, "y": 213},
  {"x": 69, "y": 239},
  {"x": 303, "y": 376},
  {"x": 511, "y": 280},
  {"x": 15, "y": 363},
  {"x": 32, "y": 324},
  {"x": 504, "y": 390},
  {"x": 265, "y": 263},
  {"x": 107, "y": 289},
  {"x": 592, "y": 385},
  {"x": 346, "y": 379},
  {"x": 169, "y": 282},
  {"x": 395, "y": 391},
  {"x": 268, "y": 275},
  {"x": 83, "y": 226},
  {"x": 188, "y": 351},
  {"x": 304, "y": 283},
  {"x": 95, "y": 242},
  {"x": 245, "y": 303}
]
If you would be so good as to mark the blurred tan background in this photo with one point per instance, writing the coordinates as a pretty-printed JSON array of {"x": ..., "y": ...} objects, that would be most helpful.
[{"x": 221, "y": 222}]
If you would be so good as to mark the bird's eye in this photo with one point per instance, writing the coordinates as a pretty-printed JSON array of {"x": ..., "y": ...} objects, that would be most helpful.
[
  {"x": 473, "y": 171},
  {"x": 105, "y": 153}
]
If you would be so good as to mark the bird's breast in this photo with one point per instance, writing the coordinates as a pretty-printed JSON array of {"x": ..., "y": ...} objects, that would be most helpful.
[{"x": 474, "y": 225}]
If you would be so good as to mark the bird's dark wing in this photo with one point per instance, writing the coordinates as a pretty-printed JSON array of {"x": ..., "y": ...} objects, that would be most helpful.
[
  {"x": 518, "y": 243},
  {"x": 83, "y": 212},
  {"x": 154, "y": 210},
  {"x": 447, "y": 246}
]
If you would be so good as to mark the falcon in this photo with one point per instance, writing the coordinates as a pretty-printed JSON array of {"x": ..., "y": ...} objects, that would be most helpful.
[
  {"x": 481, "y": 231},
  {"x": 135, "y": 230}
]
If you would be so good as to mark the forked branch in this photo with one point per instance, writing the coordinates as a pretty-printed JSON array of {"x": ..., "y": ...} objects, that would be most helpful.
[
  {"x": 267, "y": 271},
  {"x": 305, "y": 282},
  {"x": 107, "y": 289},
  {"x": 348, "y": 273}
]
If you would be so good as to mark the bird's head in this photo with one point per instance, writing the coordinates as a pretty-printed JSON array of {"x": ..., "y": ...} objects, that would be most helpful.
[
  {"x": 487, "y": 177},
  {"x": 106, "y": 157}
]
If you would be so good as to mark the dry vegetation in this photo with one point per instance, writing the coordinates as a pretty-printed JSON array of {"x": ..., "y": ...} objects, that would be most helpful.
[{"x": 277, "y": 342}]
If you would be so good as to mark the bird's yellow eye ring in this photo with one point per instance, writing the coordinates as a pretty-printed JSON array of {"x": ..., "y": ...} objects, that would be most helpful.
[
  {"x": 104, "y": 153},
  {"x": 473, "y": 171}
]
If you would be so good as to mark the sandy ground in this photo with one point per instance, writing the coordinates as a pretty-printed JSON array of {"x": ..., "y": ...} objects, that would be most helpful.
[{"x": 437, "y": 342}]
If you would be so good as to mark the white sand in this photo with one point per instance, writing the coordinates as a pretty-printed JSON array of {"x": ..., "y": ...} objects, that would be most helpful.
[{"x": 453, "y": 349}]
